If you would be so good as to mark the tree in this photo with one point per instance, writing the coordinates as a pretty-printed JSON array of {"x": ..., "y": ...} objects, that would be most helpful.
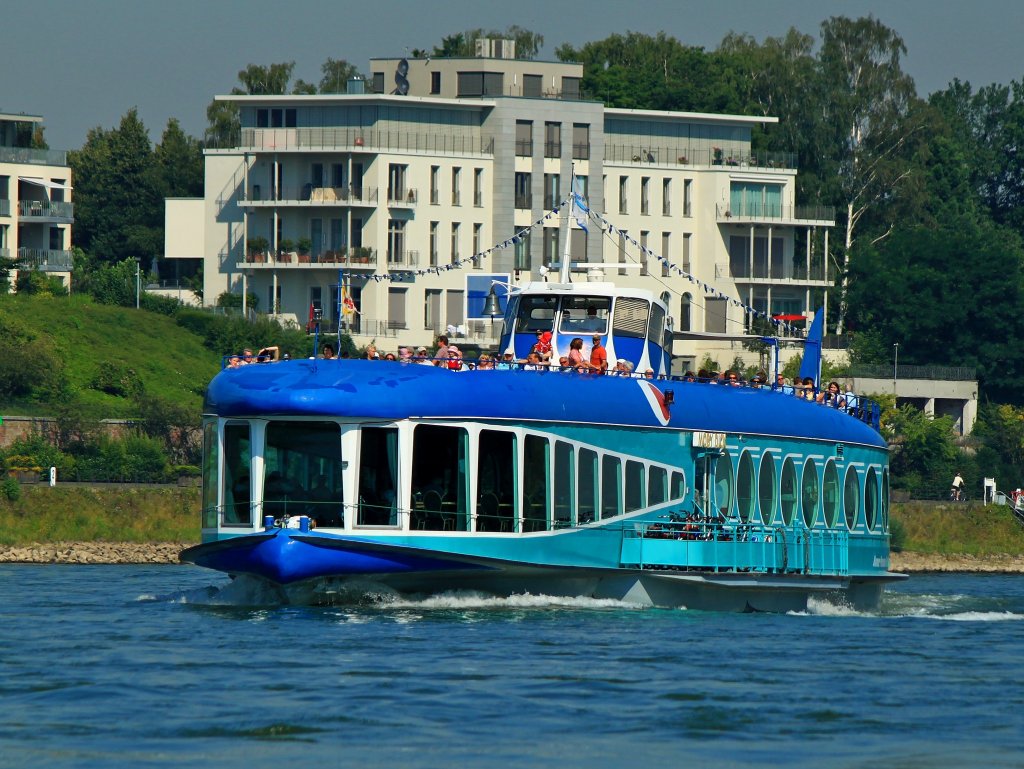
[
  {"x": 223, "y": 126},
  {"x": 179, "y": 163},
  {"x": 463, "y": 44},
  {"x": 119, "y": 207},
  {"x": 867, "y": 100},
  {"x": 336, "y": 74},
  {"x": 271, "y": 79}
]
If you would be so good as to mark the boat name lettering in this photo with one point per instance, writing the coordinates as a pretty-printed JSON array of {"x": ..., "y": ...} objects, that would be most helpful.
[{"x": 704, "y": 440}]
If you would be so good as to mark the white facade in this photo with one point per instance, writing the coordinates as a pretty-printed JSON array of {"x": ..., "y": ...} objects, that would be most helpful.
[
  {"x": 381, "y": 184},
  {"x": 36, "y": 211}
]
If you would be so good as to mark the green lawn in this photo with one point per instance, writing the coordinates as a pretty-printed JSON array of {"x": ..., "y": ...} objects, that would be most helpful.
[{"x": 966, "y": 528}]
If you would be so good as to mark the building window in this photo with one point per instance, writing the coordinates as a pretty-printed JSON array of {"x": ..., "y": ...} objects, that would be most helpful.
[
  {"x": 396, "y": 307},
  {"x": 477, "y": 234},
  {"x": 550, "y": 245},
  {"x": 533, "y": 86},
  {"x": 551, "y": 190},
  {"x": 396, "y": 181},
  {"x": 578, "y": 245},
  {"x": 644, "y": 237},
  {"x": 435, "y": 82},
  {"x": 623, "y": 194},
  {"x": 688, "y": 197},
  {"x": 456, "y": 182},
  {"x": 666, "y": 197},
  {"x": 570, "y": 88},
  {"x": 432, "y": 309},
  {"x": 622, "y": 250},
  {"x": 455, "y": 242},
  {"x": 263, "y": 118},
  {"x": 685, "y": 305},
  {"x": 580, "y": 141},
  {"x": 433, "y": 244},
  {"x": 524, "y": 138},
  {"x": 480, "y": 84},
  {"x": 478, "y": 187},
  {"x": 686, "y": 251},
  {"x": 666, "y": 244},
  {"x": 396, "y": 241},
  {"x": 290, "y": 118},
  {"x": 645, "y": 195},
  {"x": 755, "y": 199},
  {"x": 715, "y": 314},
  {"x": 552, "y": 140},
  {"x": 524, "y": 190},
  {"x": 522, "y": 252},
  {"x": 435, "y": 195}
]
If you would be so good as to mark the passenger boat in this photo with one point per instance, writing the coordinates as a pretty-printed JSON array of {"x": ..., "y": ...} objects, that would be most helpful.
[{"x": 320, "y": 476}]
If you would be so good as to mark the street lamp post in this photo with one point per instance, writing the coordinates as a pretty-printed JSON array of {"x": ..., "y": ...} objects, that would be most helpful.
[
  {"x": 138, "y": 281},
  {"x": 895, "y": 362}
]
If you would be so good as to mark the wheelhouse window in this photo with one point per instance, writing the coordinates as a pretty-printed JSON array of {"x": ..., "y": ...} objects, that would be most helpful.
[
  {"x": 585, "y": 315},
  {"x": 564, "y": 474},
  {"x": 631, "y": 317},
  {"x": 237, "y": 481},
  {"x": 496, "y": 481},
  {"x": 536, "y": 484},
  {"x": 586, "y": 496},
  {"x": 536, "y": 313},
  {"x": 634, "y": 485},
  {"x": 378, "y": 477},
  {"x": 440, "y": 486},
  {"x": 302, "y": 472},
  {"x": 657, "y": 486}
]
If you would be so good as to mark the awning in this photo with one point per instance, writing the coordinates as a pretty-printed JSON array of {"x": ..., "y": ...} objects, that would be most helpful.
[{"x": 45, "y": 183}]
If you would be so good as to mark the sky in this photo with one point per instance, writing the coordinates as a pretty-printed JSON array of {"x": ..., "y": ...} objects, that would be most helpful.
[{"x": 84, "y": 63}]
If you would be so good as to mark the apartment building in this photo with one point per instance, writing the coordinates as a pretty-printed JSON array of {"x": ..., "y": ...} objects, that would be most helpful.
[
  {"x": 36, "y": 212},
  {"x": 382, "y": 190}
]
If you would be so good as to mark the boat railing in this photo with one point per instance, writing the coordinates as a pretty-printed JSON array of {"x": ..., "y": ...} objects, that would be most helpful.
[{"x": 730, "y": 546}]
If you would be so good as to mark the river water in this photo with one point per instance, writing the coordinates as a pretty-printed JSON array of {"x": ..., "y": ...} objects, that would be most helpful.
[{"x": 166, "y": 666}]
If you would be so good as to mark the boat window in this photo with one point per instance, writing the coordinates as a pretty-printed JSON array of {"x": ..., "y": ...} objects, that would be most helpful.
[
  {"x": 302, "y": 471},
  {"x": 871, "y": 498},
  {"x": 630, "y": 317},
  {"x": 830, "y": 494},
  {"x": 535, "y": 484},
  {"x": 657, "y": 486},
  {"x": 237, "y": 484},
  {"x": 582, "y": 315},
  {"x": 511, "y": 313},
  {"x": 656, "y": 331},
  {"x": 586, "y": 497},
  {"x": 536, "y": 313},
  {"x": 211, "y": 455},
  {"x": 809, "y": 493},
  {"x": 563, "y": 484},
  {"x": 885, "y": 500},
  {"x": 678, "y": 485},
  {"x": 745, "y": 487},
  {"x": 439, "y": 479},
  {"x": 496, "y": 481},
  {"x": 634, "y": 485},
  {"x": 724, "y": 485},
  {"x": 851, "y": 497},
  {"x": 788, "y": 491},
  {"x": 766, "y": 487},
  {"x": 611, "y": 485},
  {"x": 378, "y": 476}
]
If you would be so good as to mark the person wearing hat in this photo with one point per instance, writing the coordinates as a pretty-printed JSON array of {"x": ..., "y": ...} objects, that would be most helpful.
[
  {"x": 421, "y": 357},
  {"x": 454, "y": 358},
  {"x": 598, "y": 356},
  {"x": 506, "y": 362}
]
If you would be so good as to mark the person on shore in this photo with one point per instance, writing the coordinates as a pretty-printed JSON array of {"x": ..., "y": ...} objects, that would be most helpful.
[{"x": 956, "y": 493}]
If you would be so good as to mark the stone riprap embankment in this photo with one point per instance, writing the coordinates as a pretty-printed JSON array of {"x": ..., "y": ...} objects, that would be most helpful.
[
  {"x": 167, "y": 552},
  {"x": 94, "y": 552}
]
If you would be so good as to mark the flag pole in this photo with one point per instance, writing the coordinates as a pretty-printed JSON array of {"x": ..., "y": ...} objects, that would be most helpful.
[
  {"x": 564, "y": 271},
  {"x": 341, "y": 301}
]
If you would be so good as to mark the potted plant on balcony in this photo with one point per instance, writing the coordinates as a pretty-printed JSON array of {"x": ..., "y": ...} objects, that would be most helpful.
[
  {"x": 304, "y": 246},
  {"x": 258, "y": 249},
  {"x": 284, "y": 250}
]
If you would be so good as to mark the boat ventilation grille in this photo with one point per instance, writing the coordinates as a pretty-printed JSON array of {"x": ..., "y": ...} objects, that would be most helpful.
[{"x": 839, "y": 450}]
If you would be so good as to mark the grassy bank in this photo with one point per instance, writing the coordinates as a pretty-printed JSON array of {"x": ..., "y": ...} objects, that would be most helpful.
[
  {"x": 954, "y": 529},
  {"x": 100, "y": 514},
  {"x": 171, "y": 514}
]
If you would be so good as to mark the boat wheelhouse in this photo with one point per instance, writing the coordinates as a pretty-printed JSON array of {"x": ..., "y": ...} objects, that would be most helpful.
[{"x": 321, "y": 473}]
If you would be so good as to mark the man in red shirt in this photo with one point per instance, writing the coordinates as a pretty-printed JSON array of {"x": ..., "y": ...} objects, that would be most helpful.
[{"x": 598, "y": 356}]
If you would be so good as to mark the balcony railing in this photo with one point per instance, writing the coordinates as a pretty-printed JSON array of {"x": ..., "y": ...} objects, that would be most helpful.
[
  {"x": 552, "y": 149},
  {"x": 762, "y": 271},
  {"x": 580, "y": 151},
  {"x": 738, "y": 156},
  {"x": 45, "y": 260},
  {"x": 355, "y": 140},
  {"x": 405, "y": 258},
  {"x": 524, "y": 201},
  {"x": 44, "y": 209},
  {"x": 524, "y": 148},
  {"x": 765, "y": 212},
  {"x": 344, "y": 256},
  {"x": 406, "y": 197},
  {"x": 308, "y": 194},
  {"x": 944, "y": 373},
  {"x": 33, "y": 157}
]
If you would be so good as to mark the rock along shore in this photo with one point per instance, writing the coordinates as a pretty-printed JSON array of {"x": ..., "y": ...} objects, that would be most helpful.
[{"x": 167, "y": 552}]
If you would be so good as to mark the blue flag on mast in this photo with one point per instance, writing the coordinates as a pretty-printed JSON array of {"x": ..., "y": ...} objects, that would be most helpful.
[
  {"x": 811, "y": 364},
  {"x": 579, "y": 210}
]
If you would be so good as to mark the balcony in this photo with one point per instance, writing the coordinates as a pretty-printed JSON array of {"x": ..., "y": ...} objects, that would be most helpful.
[
  {"x": 44, "y": 210},
  {"x": 356, "y": 140},
  {"x": 400, "y": 259},
  {"x": 308, "y": 195},
  {"x": 405, "y": 198},
  {"x": 33, "y": 157},
  {"x": 763, "y": 213},
  {"x": 552, "y": 149},
  {"x": 357, "y": 257},
  {"x": 738, "y": 157},
  {"x": 45, "y": 260},
  {"x": 524, "y": 148},
  {"x": 524, "y": 201}
]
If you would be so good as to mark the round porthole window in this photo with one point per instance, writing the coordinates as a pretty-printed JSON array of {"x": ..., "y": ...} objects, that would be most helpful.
[
  {"x": 809, "y": 493},
  {"x": 766, "y": 488},
  {"x": 745, "y": 487},
  {"x": 851, "y": 497},
  {"x": 830, "y": 494},
  {"x": 788, "y": 491}
]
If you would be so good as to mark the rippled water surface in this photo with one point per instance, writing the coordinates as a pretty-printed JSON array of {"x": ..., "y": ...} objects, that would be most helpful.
[{"x": 133, "y": 666}]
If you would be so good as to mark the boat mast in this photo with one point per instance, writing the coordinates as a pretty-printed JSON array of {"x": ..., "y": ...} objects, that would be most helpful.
[{"x": 564, "y": 268}]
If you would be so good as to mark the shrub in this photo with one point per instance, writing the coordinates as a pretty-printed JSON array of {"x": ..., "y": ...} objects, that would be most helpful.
[
  {"x": 10, "y": 489},
  {"x": 116, "y": 378}
]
